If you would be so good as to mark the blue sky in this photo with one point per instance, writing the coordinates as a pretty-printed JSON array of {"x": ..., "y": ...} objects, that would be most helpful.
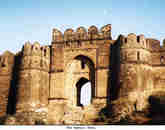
[{"x": 33, "y": 20}]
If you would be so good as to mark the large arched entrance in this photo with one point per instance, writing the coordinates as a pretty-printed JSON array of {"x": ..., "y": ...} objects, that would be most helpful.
[{"x": 80, "y": 81}]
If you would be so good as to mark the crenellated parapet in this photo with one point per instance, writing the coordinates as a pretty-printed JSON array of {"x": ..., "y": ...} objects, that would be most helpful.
[
  {"x": 154, "y": 44},
  {"x": 135, "y": 49},
  {"x": 158, "y": 52},
  {"x": 138, "y": 49},
  {"x": 35, "y": 49},
  {"x": 134, "y": 41},
  {"x": 35, "y": 56},
  {"x": 33, "y": 80},
  {"x": 81, "y": 33}
]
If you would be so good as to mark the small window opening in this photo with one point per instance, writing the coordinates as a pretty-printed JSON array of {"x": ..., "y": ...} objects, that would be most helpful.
[
  {"x": 125, "y": 40},
  {"x": 138, "y": 39},
  {"x": 125, "y": 56},
  {"x": 3, "y": 65},
  {"x": 41, "y": 64},
  {"x": 52, "y": 51},
  {"x": 138, "y": 56},
  {"x": 161, "y": 59},
  {"x": 82, "y": 65},
  {"x": 4, "y": 62},
  {"x": 44, "y": 52}
]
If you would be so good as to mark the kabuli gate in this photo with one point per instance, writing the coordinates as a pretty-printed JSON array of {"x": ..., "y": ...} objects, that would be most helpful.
[{"x": 79, "y": 74}]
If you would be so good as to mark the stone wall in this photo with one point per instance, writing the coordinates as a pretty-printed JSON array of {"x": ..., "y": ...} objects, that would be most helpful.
[
  {"x": 6, "y": 73},
  {"x": 76, "y": 55},
  {"x": 140, "y": 71},
  {"x": 135, "y": 78},
  {"x": 33, "y": 80},
  {"x": 46, "y": 78}
]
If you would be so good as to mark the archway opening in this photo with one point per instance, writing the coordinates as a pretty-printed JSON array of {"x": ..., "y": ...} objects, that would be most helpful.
[
  {"x": 84, "y": 93},
  {"x": 86, "y": 61},
  {"x": 80, "y": 78}
]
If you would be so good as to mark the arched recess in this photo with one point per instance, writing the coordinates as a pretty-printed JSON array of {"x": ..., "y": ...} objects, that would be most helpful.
[
  {"x": 87, "y": 61},
  {"x": 78, "y": 72}
]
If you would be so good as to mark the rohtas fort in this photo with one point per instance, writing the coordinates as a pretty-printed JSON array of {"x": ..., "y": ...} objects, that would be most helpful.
[{"x": 46, "y": 81}]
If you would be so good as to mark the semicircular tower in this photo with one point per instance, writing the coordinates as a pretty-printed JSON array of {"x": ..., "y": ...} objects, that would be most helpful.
[
  {"x": 135, "y": 78},
  {"x": 33, "y": 83}
]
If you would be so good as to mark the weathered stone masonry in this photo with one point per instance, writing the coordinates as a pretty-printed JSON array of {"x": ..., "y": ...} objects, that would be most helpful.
[{"x": 49, "y": 78}]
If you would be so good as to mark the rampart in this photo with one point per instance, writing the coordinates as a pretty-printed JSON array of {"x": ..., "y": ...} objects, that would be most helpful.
[{"x": 50, "y": 78}]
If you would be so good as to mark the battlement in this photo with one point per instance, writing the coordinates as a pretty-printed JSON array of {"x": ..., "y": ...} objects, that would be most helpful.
[
  {"x": 134, "y": 41},
  {"x": 35, "y": 49},
  {"x": 138, "y": 49},
  {"x": 156, "y": 45},
  {"x": 49, "y": 80},
  {"x": 134, "y": 49},
  {"x": 35, "y": 56},
  {"x": 93, "y": 33}
]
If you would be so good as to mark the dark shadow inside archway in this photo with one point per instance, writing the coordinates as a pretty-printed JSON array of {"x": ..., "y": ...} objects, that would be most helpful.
[{"x": 79, "y": 86}]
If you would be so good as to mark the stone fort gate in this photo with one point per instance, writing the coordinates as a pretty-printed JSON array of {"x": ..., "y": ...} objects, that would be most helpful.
[
  {"x": 50, "y": 78},
  {"x": 79, "y": 71},
  {"x": 77, "y": 58}
]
